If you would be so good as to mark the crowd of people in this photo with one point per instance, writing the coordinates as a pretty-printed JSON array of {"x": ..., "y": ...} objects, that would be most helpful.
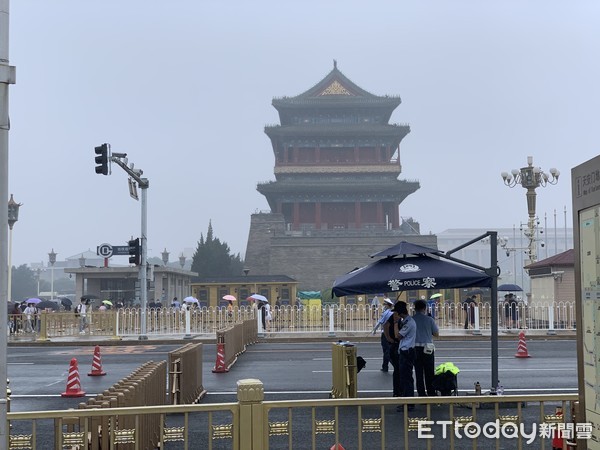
[
  {"x": 407, "y": 344},
  {"x": 24, "y": 317}
]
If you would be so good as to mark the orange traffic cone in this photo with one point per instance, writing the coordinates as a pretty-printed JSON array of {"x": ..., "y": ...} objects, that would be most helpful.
[
  {"x": 522, "y": 348},
  {"x": 73, "y": 384},
  {"x": 220, "y": 364},
  {"x": 96, "y": 364}
]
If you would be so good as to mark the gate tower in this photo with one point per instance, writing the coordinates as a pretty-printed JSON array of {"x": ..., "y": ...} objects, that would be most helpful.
[{"x": 336, "y": 188}]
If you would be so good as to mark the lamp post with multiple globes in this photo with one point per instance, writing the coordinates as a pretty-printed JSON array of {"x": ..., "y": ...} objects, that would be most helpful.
[
  {"x": 530, "y": 178},
  {"x": 13, "y": 216},
  {"x": 52, "y": 260}
]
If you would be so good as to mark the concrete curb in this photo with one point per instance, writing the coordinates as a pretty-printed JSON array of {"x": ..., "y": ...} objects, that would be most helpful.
[{"x": 352, "y": 337}]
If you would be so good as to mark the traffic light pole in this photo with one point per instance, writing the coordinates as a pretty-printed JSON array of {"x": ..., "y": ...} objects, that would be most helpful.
[
  {"x": 121, "y": 161},
  {"x": 144, "y": 258}
]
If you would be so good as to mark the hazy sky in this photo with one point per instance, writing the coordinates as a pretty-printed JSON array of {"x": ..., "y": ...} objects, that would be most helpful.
[{"x": 185, "y": 88}]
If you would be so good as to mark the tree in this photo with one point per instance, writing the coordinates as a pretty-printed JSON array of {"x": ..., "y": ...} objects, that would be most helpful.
[
  {"x": 213, "y": 258},
  {"x": 64, "y": 286},
  {"x": 24, "y": 283}
]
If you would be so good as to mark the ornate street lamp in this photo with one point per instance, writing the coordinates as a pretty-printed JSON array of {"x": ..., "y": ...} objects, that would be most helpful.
[
  {"x": 13, "y": 216},
  {"x": 530, "y": 178},
  {"x": 52, "y": 260},
  {"x": 182, "y": 260},
  {"x": 165, "y": 257},
  {"x": 38, "y": 273}
]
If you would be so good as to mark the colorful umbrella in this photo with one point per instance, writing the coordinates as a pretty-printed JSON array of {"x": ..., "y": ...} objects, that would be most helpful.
[
  {"x": 259, "y": 297},
  {"x": 435, "y": 296},
  {"x": 229, "y": 297},
  {"x": 33, "y": 300},
  {"x": 107, "y": 302}
]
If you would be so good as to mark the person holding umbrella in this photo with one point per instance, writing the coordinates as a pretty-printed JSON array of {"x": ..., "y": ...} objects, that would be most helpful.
[
  {"x": 510, "y": 311},
  {"x": 30, "y": 312},
  {"x": 385, "y": 345},
  {"x": 16, "y": 318},
  {"x": 80, "y": 311},
  {"x": 469, "y": 306},
  {"x": 261, "y": 302}
]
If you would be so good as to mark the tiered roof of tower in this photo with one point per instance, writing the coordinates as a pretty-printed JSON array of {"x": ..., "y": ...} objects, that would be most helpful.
[{"x": 335, "y": 146}]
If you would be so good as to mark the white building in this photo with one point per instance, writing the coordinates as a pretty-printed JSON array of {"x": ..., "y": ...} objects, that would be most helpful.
[{"x": 512, "y": 249}]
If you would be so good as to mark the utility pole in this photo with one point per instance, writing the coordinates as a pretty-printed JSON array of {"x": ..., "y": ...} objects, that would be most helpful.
[{"x": 7, "y": 77}]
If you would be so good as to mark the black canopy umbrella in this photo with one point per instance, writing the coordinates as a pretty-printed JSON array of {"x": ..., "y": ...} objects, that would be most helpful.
[
  {"x": 409, "y": 273},
  {"x": 65, "y": 301},
  {"x": 509, "y": 287},
  {"x": 47, "y": 304},
  {"x": 405, "y": 248},
  {"x": 475, "y": 292},
  {"x": 90, "y": 297}
]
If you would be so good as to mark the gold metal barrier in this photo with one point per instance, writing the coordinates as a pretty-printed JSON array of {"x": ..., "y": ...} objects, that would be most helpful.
[
  {"x": 47, "y": 325},
  {"x": 144, "y": 386},
  {"x": 185, "y": 374},
  {"x": 343, "y": 370},
  {"x": 255, "y": 424},
  {"x": 235, "y": 339}
]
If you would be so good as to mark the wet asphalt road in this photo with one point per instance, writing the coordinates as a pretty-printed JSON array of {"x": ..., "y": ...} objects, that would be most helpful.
[{"x": 288, "y": 370}]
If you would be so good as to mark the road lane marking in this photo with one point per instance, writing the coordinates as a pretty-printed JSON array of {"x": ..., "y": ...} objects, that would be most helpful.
[
  {"x": 474, "y": 370},
  {"x": 111, "y": 350}
]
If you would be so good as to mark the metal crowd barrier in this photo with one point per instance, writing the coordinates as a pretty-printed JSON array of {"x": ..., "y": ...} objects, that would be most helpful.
[
  {"x": 185, "y": 375},
  {"x": 47, "y": 325},
  {"x": 343, "y": 370},
  {"x": 549, "y": 317},
  {"x": 235, "y": 339},
  {"x": 144, "y": 386},
  {"x": 252, "y": 423}
]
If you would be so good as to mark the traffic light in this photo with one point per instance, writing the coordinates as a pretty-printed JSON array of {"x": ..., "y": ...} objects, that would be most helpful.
[
  {"x": 135, "y": 252},
  {"x": 102, "y": 159}
]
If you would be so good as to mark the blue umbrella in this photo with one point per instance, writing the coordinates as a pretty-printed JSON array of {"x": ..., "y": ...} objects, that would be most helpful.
[
  {"x": 407, "y": 274},
  {"x": 509, "y": 287},
  {"x": 33, "y": 300}
]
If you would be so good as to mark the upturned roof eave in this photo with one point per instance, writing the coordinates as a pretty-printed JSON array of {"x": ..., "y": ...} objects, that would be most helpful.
[
  {"x": 316, "y": 186},
  {"x": 358, "y": 129}
]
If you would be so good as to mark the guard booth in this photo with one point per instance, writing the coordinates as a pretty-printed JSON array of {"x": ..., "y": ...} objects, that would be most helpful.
[
  {"x": 343, "y": 370},
  {"x": 312, "y": 308}
]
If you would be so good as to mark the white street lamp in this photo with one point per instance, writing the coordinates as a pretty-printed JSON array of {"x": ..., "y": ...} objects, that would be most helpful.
[
  {"x": 52, "y": 260},
  {"x": 530, "y": 178},
  {"x": 38, "y": 273}
]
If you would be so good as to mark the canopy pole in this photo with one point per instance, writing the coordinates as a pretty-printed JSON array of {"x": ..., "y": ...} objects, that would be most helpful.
[{"x": 494, "y": 274}]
